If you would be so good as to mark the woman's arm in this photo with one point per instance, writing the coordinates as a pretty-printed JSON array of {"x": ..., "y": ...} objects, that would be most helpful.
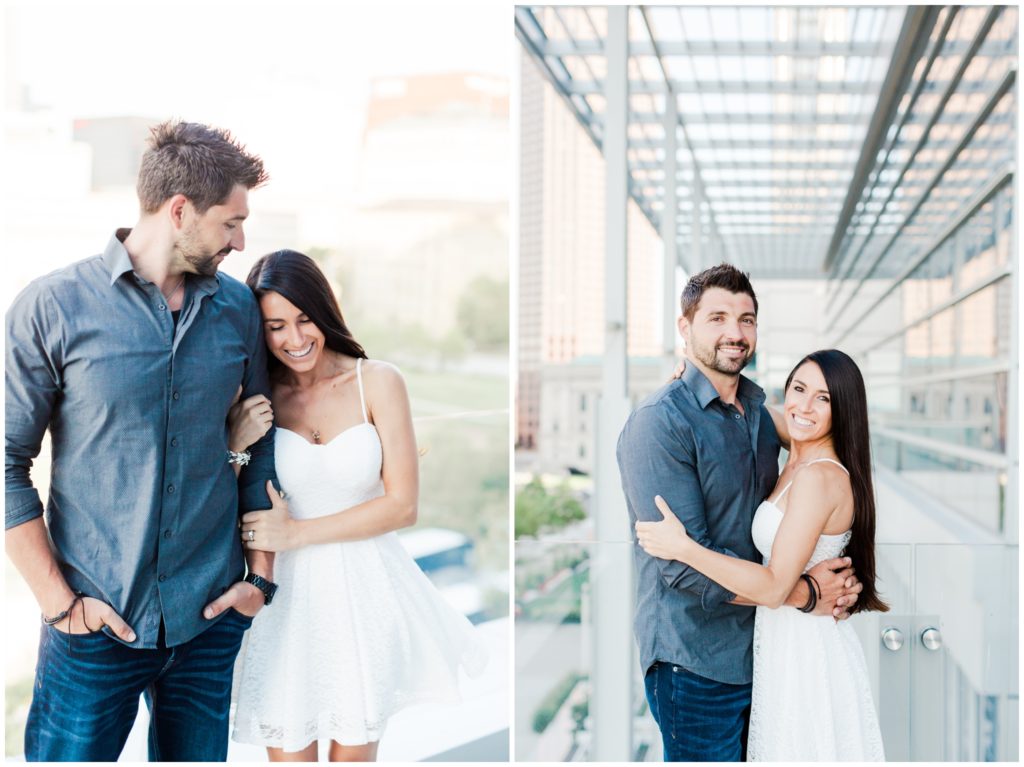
[
  {"x": 388, "y": 405},
  {"x": 807, "y": 512}
]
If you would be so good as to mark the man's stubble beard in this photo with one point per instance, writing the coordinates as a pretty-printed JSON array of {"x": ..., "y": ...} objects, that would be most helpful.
[
  {"x": 192, "y": 251},
  {"x": 708, "y": 356}
]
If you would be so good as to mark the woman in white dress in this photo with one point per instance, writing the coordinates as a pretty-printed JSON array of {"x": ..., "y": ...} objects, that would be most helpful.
[
  {"x": 356, "y": 631},
  {"x": 811, "y": 698}
]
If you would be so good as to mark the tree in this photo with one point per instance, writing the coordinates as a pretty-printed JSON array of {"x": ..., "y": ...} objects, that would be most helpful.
[
  {"x": 538, "y": 509},
  {"x": 482, "y": 314}
]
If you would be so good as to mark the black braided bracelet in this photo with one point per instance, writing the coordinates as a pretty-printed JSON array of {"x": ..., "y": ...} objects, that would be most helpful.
[{"x": 62, "y": 614}]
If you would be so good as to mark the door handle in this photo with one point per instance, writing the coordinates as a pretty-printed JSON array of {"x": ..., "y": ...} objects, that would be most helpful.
[
  {"x": 892, "y": 638},
  {"x": 931, "y": 638}
]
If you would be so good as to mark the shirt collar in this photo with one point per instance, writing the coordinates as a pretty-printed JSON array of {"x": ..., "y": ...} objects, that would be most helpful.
[
  {"x": 706, "y": 393},
  {"x": 117, "y": 260}
]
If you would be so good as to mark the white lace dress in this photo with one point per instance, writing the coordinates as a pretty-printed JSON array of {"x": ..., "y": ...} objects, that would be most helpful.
[
  {"x": 356, "y": 631},
  {"x": 811, "y": 699}
]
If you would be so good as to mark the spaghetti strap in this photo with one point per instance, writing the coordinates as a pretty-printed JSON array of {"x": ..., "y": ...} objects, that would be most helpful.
[
  {"x": 817, "y": 460},
  {"x": 830, "y": 460},
  {"x": 359, "y": 377}
]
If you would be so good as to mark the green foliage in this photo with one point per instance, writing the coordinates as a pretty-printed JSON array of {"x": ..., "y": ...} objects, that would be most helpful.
[
  {"x": 464, "y": 486},
  {"x": 482, "y": 314},
  {"x": 17, "y": 696},
  {"x": 580, "y": 712},
  {"x": 563, "y": 604},
  {"x": 538, "y": 509},
  {"x": 554, "y": 700}
]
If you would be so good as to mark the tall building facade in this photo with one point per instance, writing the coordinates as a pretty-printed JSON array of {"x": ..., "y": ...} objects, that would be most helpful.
[{"x": 562, "y": 251}]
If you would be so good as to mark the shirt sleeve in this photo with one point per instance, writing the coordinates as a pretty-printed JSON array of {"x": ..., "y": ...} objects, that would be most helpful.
[
  {"x": 656, "y": 459},
  {"x": 252, "y": 479},
  {"x": 33, "y": 379}
]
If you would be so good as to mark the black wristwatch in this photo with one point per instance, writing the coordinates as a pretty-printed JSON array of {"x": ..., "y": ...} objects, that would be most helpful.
[{"x": 267, "y": 587}]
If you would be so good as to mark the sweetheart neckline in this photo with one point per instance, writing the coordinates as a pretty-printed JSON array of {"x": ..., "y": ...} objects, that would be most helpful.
[
  {"x": 822, "y": 535},
  {"x": 331, "y": 440}
]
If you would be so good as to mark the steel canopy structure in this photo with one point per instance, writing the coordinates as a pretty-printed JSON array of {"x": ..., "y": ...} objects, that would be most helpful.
[{"x": 770, "y": 136}]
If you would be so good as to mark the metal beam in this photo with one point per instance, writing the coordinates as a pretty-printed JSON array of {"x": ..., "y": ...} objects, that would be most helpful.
[
  {"x": 725, "y": 48},
  {"x": 611, "y": 573},
  {"x": 740, "y": 87},
  {"x": 695, "y": 167},
  {"x": 917, "y": 25},
  {"x": 669, "y": 226},
  {"x": 933, "y": 118},
  {"x": 1001, "y": 89}
]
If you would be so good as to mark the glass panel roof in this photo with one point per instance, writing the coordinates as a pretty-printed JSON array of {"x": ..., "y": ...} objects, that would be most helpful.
[{"x": 775, "y": 102}]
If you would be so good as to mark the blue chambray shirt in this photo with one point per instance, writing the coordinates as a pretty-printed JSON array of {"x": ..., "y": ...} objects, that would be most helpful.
[
  {"x": 713, "y": 466},
  {"x": 143, "y": 505}
]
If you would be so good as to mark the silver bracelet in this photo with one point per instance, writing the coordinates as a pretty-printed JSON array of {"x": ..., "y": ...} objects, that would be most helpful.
[{"x": 242, "y": 458}]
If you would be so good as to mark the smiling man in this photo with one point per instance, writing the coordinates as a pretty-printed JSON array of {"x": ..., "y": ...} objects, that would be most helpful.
[
  {"x": 705, "y": 443},
  {"x": 131, "y": 359}
]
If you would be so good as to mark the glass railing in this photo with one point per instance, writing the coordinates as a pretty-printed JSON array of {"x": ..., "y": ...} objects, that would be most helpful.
[
  {"x": 947, "y": 693},
  {"x": 976, "y": 490},
  {"x": 557, "y": 582}
]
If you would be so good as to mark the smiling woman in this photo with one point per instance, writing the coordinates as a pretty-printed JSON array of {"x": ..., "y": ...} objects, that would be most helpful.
[{"x": 333, "y": 662}]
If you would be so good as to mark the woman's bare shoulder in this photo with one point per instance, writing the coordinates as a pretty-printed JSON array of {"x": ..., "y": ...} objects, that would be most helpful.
[
  {"x": 825, "y": 479},
  {"x": 383, "y": 381},
  {"x": 381, "y": 371}
]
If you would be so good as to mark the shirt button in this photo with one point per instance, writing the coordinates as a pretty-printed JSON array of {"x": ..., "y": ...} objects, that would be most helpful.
[
  {"x": 737, "y": 416},
  {"x": 174, "y": 442},
  {"x": 176, "y": 395},
  {"x": 162, "y": 578},
  {"x": 170, "y": 488},
  {"x": 167, "y": 533},
  {"x": 161, "y": 307}
]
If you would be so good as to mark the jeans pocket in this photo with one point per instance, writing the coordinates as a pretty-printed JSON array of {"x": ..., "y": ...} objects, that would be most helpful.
[
  {"x": 240, "y": 616},
  {"x": 65, "y": 634}
]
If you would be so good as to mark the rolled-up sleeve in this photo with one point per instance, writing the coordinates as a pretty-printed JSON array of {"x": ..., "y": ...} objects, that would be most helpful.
[
  {"x": 33, "y": 380},
  {"x": 657, "y": 458},
  {"x": 252, "y": 479}
]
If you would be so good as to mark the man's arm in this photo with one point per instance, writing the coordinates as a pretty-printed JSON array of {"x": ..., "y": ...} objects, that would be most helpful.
[
  {"x": 33, "y": 379},
  {"x": 655, "y": 459}
]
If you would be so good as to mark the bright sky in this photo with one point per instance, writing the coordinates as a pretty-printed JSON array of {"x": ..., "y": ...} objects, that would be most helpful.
[
  {"x": 290, "y": 79},
  {"x": 292, "y": 75}
]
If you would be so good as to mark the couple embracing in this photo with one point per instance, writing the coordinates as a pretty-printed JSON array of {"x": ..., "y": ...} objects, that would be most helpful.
[
  {"x": 166, "y": 550},
  {"x": 744, "y": 576}
]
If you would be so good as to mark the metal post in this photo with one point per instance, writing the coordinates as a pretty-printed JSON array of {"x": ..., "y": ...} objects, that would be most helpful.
[
  {"x": 611, "y": 571},
  {"x": 669, "y": 226},
  {"x": 696, "y": 234}
]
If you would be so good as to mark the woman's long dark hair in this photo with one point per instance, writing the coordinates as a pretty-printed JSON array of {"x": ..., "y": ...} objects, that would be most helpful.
[
  {"x": 852, "y": 444},
  {"x": 297, "y": 277}
]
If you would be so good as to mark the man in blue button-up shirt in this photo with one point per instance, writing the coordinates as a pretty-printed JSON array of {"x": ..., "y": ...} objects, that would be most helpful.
[
  {"x": 707, "y": 445},
  {"x": 131, "y": 359}
]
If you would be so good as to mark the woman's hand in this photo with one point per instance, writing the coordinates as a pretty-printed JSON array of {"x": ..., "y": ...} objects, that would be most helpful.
[
  {"x": 248, "y": 421},
  {"x": 666, "y": 539},
  {"x": 678, "y": 372},
  {"x": 271, "y": 529}
]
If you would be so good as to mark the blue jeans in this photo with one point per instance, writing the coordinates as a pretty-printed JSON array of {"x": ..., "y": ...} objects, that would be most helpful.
[
  {"x": 86, "y": 695},
  {"x": 700, "y": 720}
]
